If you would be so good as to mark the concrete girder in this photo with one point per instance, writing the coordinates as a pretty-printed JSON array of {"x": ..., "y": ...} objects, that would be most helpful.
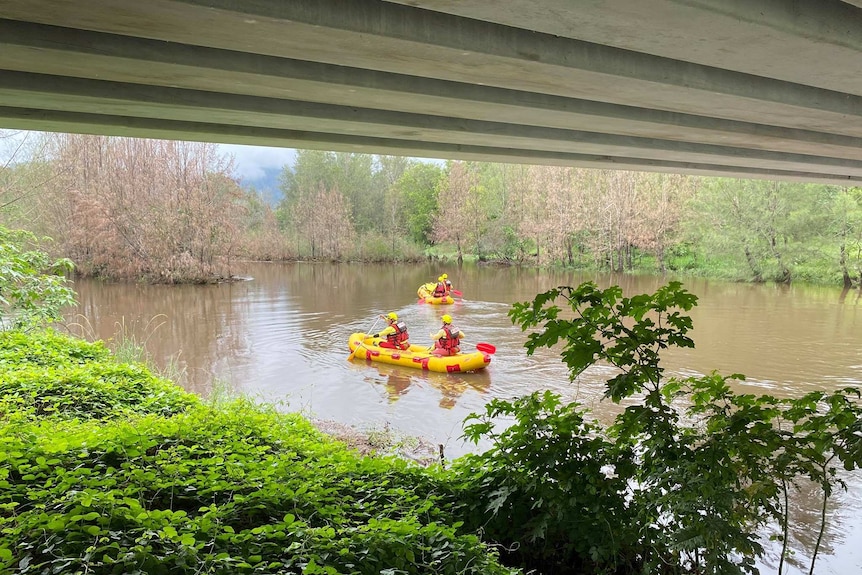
[
  {"x": 49, "y": 120},
  {"x": 63, "y": 52},
  {"x": 130, "y": 100},
  {"x": 811, "y": 42},
  {"x": 505, "y": 78}
]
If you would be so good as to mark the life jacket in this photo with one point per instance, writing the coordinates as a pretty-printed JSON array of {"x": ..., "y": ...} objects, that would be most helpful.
[
  {"x": 400, "y": 334},
  {"x": 439, "y": 290},
  {"x": 451, "y": 340}
]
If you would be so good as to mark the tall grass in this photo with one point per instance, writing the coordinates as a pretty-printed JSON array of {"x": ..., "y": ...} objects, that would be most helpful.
[{"x": 129, "y": 346}]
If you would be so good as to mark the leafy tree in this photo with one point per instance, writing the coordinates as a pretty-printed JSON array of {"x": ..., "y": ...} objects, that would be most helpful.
[
  {"x": 418, "y": 186},
  {"x": 391, "y": 215},
  {"x": 846, "y": 227},
  {"x": 33, "y": 288},
  {"x": 762, "y": 225}
]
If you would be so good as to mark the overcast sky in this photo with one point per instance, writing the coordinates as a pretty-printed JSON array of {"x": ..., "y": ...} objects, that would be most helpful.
[{"x": 251, "y": 160}]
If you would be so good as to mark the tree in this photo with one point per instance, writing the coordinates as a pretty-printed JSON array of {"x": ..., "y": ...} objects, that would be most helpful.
[
  {"x": 458, "y": 220},
  {"x": 660, "y": 213},
  {"x": 763, "y": 225},
  {"x": 323, "y": 221},
  {"x": 846, "y": 227},
  {"x": 388, "y": 173},
  {"x": 129, "y": 208},
  {"x": 418, "y": 186},
  {"x": 24, "y": 170},
  {"x": 533, "y": 207}
]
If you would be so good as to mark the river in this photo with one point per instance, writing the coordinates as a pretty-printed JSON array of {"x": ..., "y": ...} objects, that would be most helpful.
[{"x": 281, "y": 336}]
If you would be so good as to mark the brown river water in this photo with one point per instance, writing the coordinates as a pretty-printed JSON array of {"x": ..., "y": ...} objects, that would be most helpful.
[{"x": 281, "y": 336}]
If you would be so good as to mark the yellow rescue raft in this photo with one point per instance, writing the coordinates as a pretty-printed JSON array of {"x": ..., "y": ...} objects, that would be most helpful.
[
  {"x": 425, "y": 292},
  {"x": 365, "y": 347}
]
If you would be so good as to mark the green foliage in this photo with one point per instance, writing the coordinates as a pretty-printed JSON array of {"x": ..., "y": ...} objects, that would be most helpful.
[
  {"x": 764, "y": 229},
  {"x": 683, "y": 481},
  {"x": 33, "y": 289},
  {"x": 419, "y": 185},
  {"x": 49, "y": 374},
  {"x": 134, "y": 477},
  {"x": 378, "y": 247},
  {"x": 553, "y": 486},
  {"x": 603, "y": 330}
]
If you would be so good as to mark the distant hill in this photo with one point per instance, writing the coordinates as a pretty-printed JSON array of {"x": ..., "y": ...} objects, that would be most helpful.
[{"x": 266, "y": 184}]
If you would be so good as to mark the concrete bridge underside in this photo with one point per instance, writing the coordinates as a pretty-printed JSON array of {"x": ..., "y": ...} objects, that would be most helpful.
[{"x": 748, "y": 88}]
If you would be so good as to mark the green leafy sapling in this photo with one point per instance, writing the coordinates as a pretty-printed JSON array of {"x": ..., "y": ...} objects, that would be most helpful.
[
  {"x": 628, "y": 333},
  {"x": 33, "y": 288}
]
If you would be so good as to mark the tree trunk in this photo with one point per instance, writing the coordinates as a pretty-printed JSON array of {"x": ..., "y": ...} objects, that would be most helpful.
[
  {"x": 538, "y": 258},
  {"x": 758, "y": 275},
  {"x": 786, "y": 277},
  {"x": 842, "y": 260}
]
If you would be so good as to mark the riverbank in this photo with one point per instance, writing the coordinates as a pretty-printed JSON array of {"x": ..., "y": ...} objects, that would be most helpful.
[{"x": 108, "y": 468}]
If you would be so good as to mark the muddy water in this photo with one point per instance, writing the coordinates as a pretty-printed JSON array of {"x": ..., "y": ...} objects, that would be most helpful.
[{"x": 282, "y": 337}]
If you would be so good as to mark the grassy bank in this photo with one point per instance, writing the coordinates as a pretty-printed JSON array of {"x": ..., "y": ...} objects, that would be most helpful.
[{"x": 107, "y": 468}]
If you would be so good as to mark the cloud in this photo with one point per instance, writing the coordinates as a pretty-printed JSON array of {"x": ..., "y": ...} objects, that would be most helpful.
[{"x": 250, "y": 161}]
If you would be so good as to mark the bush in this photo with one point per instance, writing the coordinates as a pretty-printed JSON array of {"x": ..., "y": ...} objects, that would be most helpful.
[
  {"x": 49, "y": 374},
  {"x": 33, "y": 289},
  {"x": 550, "y": 488},
  {"x": 377, "y": 247}
]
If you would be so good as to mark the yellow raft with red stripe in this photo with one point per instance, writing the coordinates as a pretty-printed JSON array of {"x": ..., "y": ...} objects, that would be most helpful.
[
  {"x": 425, "y": 292},
  {"x": 417, "y": 356}
]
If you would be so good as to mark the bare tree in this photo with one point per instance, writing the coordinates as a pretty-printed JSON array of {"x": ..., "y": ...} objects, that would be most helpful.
[
  {"x": 660, "y": 211},
  {"x": 23, "y": 172},
  {"x": 323, "y": 220},
  {"x": 130, "y": 208},
  {"x": 458, "y": 219}
]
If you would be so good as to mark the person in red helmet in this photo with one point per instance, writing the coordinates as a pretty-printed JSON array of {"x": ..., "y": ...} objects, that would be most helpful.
[
  {"x": 447, "y": 341},
  {"x": 395, "y": 333}
]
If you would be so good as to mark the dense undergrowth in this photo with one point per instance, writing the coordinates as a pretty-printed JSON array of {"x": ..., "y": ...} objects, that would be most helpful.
[{"x": 105, "y": 468}]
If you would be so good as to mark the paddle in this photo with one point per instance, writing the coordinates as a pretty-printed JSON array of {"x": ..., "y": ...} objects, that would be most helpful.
[
  {"x": 486, "y": 348},
  {"x": 362, "y": 343},
  {"x": 456, "y": 292},
  {"x": 481, "y": 346}
]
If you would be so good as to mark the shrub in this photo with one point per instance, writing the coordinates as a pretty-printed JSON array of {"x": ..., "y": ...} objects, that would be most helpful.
[
  {"x": 33, "y": 289},
  {"x": 46, "y": 373}
]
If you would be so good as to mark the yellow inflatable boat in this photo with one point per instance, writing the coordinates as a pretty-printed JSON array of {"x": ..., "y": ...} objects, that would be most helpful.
[
  {"x": 424, "y": 292},
  {"x": 418, "y": 356}
]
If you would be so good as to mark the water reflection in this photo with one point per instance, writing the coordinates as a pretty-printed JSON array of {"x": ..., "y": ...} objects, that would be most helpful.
[{"x": 396, "y": 381}]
